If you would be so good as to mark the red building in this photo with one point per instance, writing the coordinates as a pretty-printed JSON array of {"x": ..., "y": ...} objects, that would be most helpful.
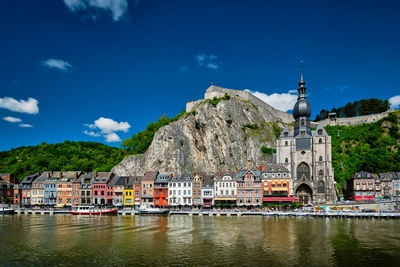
[
  {"x": 161, "y": 189},
  {"x": 102, "y": 191},
  {"x": 7, "y": 181}
]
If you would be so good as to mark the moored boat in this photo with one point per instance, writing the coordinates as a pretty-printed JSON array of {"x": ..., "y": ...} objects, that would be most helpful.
[
  {"x": 6, "y": 210},
  {"x": 146, "y": 210},
  {"x": 91, "y": 210}
]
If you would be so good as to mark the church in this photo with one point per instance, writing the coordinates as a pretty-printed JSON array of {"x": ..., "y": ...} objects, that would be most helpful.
[{"x": 307, "y": 155}]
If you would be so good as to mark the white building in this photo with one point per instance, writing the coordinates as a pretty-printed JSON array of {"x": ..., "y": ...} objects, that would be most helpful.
[
  {"x": 307, "y": 155},
  {"x": 180, "y": 191},
  {"x": 225, "y": 190}
]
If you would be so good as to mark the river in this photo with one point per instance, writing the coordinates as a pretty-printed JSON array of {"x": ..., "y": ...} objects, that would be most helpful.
[{"x": 63, "y": 240}]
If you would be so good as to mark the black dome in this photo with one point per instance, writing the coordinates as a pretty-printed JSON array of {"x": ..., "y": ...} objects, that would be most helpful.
[{"x": 302, "y": 108}]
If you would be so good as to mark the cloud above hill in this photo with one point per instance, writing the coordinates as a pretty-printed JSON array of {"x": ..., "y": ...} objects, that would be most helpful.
[
  {"x": 283, "y": 101},
  {"x": 107, "y": 128},
  {"x": 395, "y": 101}
]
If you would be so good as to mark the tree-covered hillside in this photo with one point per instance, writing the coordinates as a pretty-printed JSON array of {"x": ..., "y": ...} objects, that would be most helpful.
[
  {"x": 357, "y": 108},
  {"x": 373, "y": 147},
  {"x": 67, "y": 156}
]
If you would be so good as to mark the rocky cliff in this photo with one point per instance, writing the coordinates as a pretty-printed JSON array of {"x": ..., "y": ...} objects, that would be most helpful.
[{"x": 215, "y": 135}]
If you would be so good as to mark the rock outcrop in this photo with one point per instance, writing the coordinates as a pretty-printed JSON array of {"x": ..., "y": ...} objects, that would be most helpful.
[{"x": 226, "y": 135}]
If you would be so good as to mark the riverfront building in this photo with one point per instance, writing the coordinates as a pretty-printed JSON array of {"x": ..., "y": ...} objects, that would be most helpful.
[
  {"x": 307, "y": 155},
  {"x": 26, "y": 186},
  {"x": 118, "y": 184},
  {"x": 197, "y": 184},
  {"x": 86, "y": 188},
  {"x": 50, "y": 189},
  {"x": 161, "y": 189},
  {"x": 207, "y": 191},
  {"x": 249, "y": 188},
  {"x": 128, "y": 192},
  {"x": 225, "y": 193},
  {"x": 180, "y": 191},
  {"x": 147, "y": 195},
  {"x": 101, "y": 190},
  {"x": 37, "y": 192}
]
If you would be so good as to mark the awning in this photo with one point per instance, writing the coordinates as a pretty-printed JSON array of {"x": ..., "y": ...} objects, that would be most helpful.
[{"x": 279, "y": 199}]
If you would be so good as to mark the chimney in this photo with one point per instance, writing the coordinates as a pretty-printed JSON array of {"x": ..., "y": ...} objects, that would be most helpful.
[
  {"x": 76, "y": 175},
  {"x": 60, "y": 175},
  {"x": 48, "y": 175},
  {"x": 219, "y": 172},
  {"x": 171, "y": 175},
  {"x": 260, "y": 168},
  {"x": 95, "y": 174},
  {"x": 126, "y": 180}
]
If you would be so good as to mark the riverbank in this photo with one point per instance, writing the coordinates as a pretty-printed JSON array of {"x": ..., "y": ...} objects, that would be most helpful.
[{"x": 321, "y": 214}]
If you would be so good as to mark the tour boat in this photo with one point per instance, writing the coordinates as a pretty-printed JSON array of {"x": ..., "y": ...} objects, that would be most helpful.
[
  {"x": 146, "y": 210},
  {"x": 91, "y": 210},
  {"x": 6, "y": 210}
]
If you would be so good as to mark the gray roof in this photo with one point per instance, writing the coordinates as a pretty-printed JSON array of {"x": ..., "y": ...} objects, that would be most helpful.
[
  {"x": 208, "y": 181},
  {"x": 181, "y": 179},
  {"x": 162, "y": 178},
  {"x": 316, "y": 132},
  {"x": 275, "y": 168},
  {"x": 150, "y": 175},
  {"x": 103, "y": 177},
  {"x": 240, "y": 174},
  {"x": 286, "y": 130},
  {"x": 225, "y": 173},
  {"x": 119, "y": 180},
  {"x": 29, "y": 179}
]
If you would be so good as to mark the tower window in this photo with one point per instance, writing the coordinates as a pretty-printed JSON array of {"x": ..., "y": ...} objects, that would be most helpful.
[
  {"x": 320, "y": 131},
  {"x": 321, "y": 172},
  {"x": 286, "y": 160},
  {"x": 302, "y": 122},
  {"x": 303, "y": 132},
  {"x": 320, "y": 140},
  {"x": 286, "y": 134},
  {"x": 286, "y": 143},
  {"x": 320, "y": 158}
]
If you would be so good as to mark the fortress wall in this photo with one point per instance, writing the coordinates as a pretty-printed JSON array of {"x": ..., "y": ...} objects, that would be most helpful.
[
  {"x": 215, "y": 91},
  {"x": 192, "y": 104},
  {"x": 354, "y": 120}
]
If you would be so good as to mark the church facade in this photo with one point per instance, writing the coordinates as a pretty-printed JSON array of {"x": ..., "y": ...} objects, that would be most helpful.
[{"x": 307, "y": 154}]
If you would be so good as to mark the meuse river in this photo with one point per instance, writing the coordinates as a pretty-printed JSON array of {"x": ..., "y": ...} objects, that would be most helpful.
[{"x": 61, "y": 240}]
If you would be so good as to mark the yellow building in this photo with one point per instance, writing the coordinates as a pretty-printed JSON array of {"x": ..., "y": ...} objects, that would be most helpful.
[{"x": 128, "y": 194}]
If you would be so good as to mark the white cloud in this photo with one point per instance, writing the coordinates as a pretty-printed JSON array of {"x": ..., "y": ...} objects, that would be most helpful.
[
  {"x": 57, "y": 64},
  {"x": 112, "y": 137},
  {"x": 29, "y": 106},
  {"x": 208, "y": 61},
  {"x": 283, "y": 102},
  {"x": 107, "y": 128},
  {"x": 116, "y": 7},
  {"x": 91, "y": 133},
  {"x": 395, "y": 101},
  {"x": 24, "y": 125},
  {"x": 12, "y": 119}
]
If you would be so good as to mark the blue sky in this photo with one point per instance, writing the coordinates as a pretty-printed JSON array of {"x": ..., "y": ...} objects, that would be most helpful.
[{"x": 95, "y": 70}]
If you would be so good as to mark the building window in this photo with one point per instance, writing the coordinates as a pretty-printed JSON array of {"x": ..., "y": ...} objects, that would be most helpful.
[
  {"x": 286, "y": 160},
  {"x": 302, "y": 122},
  {"x": 320, "y": 141},
  {"x": 286, "y": 143},
  {"x": 320, "y": 158},
  {"x": 321, "y": 172}
]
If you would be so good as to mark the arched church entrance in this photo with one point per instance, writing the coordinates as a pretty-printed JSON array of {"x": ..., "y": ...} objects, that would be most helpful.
[{"x": 304, "y": 194}]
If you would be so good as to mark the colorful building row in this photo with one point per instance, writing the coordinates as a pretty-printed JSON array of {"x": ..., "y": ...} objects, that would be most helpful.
[{"x": 370, "y": 186}]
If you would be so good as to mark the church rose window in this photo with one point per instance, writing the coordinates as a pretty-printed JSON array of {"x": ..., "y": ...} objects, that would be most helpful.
[{"x": 303, "y": 171}]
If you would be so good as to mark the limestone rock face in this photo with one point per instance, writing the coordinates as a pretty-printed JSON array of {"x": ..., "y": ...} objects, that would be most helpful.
[{"x": 226, "y": 136}]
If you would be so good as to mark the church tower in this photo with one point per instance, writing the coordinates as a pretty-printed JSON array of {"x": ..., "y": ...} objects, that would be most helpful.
[
  {"x": 301, "y": 114},
  {"x": 307, "y": 154}
]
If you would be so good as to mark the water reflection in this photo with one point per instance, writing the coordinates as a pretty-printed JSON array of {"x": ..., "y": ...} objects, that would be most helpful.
[{"x": 176, "y": 240}]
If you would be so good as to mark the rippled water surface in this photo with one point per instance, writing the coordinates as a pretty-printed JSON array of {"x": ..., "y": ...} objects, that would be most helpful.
[{"x": 46, "y": 240}]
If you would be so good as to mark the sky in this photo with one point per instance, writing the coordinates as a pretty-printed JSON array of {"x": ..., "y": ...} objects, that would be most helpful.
[{"x": 101, "y": 70}]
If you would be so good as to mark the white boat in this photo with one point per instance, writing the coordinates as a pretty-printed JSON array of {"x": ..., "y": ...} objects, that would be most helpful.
[
  {"x": 91, "y": 210},
  {"x": 152, "y": 211},
  {"x": 6, "y": 210}
]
